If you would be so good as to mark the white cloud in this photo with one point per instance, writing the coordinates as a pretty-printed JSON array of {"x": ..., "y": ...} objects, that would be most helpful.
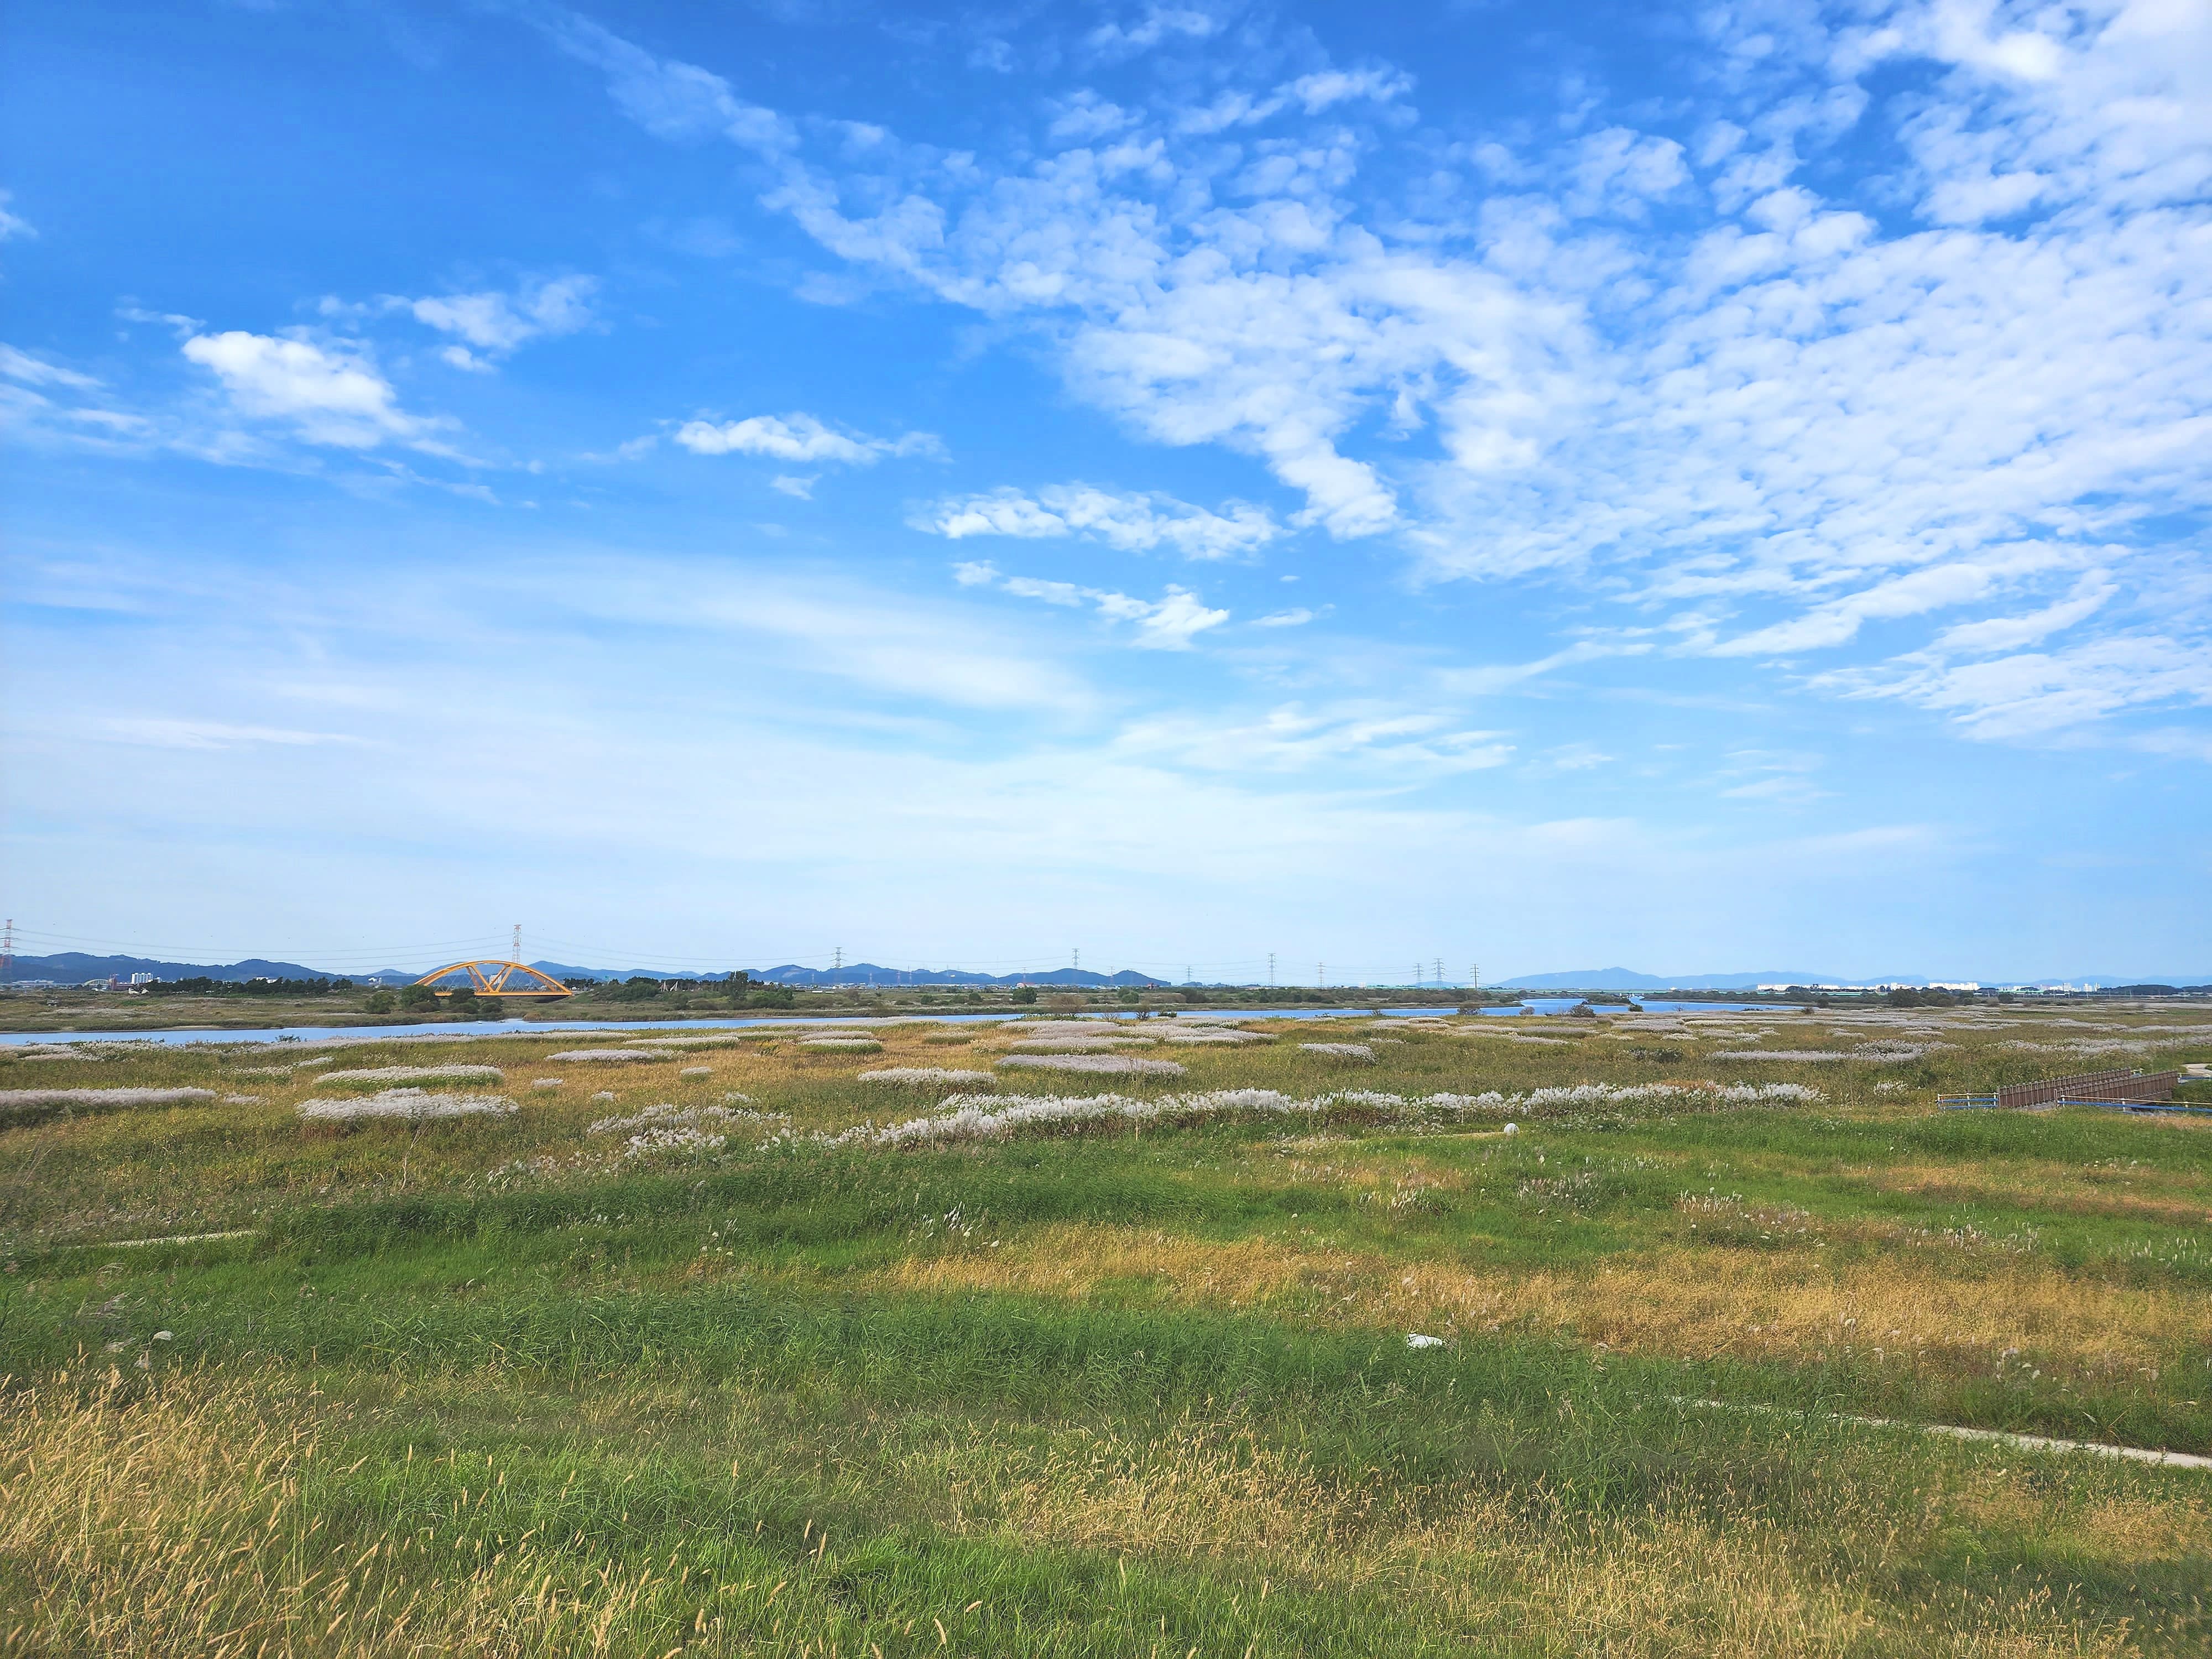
[
  {"x": 1832, "y": 624},
  {"x": 1158, "y": 23},
  {"x": 797, "y": 488},
  {"x": 1779, "y": 402},
  {"x": 37, "y": 371},
  {"x": 1317, "y": 92},
  {"x": 1420, "y": 745},
  {"x": 1997, "y": 633},
  {"x": 1167, "y": 623},
  {"x": 333, "y": 395},
  {"x": 215, "y": 734},
  {"x": 798, "y": 437},
  {"x": 1067, "y": 593},
  {"x": 498, "y": 323},
  {"x": 1504, "y": 676},
  {"x": 1622, "y": 171},
  {"x": 668, "y": 98},
  {"x": 2036, "y": 694},
  {"x": 12, "y": 224},
  {"x": 1128, "y": 522},
  {"x": 1298, "y": 618},
  {"x": 183, "y": 327},
  {"x": 1086, "y": 117}
]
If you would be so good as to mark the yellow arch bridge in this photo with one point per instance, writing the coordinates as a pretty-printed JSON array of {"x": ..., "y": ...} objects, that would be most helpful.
[{"x": 497, "y": 979}]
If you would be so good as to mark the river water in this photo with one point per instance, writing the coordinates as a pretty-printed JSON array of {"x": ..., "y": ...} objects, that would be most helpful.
[{"x": 1535, "y": 1007}]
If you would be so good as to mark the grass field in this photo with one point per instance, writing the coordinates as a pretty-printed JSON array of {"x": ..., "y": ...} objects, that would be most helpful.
[{"x": 737, "y": 1378}]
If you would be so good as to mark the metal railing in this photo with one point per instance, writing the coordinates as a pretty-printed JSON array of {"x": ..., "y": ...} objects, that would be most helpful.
[{"x": 2133, "y": 1092}]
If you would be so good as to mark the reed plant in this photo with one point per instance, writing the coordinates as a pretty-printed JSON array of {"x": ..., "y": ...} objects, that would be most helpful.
[{"x": 832, "y": 1366}]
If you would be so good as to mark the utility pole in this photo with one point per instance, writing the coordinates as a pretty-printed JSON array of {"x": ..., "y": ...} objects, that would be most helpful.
[
  {"x": 1321, "y": 975},
  {"x": 1271, "y": 970},
  {"x": 1474, "y": 976},
  {"x": 8, "y": 953},
  {"x": 836, "y": 963},
  {"x": 515, "y": 953},
  {"x": 1076, "y": 960},
  {"x": 1440, "y": 970}
]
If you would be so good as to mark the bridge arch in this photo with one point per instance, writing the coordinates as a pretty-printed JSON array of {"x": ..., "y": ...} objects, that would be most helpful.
[{"x": 490, "y": 978}]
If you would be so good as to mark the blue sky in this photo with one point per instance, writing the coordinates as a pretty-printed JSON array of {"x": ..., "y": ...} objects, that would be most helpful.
[{"x": 1703, "y": 488}]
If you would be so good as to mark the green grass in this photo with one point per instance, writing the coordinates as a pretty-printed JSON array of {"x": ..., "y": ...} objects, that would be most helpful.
[{"x": 1103, "y": 1393}]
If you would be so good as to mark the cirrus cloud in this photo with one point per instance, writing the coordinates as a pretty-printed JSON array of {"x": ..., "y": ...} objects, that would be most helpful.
[
  {"x": 801, "y": 438},
  {"x": 1130, "y": 522}
]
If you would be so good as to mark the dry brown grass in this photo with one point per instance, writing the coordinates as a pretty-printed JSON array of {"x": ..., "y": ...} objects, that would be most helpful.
[
  {"x": 1682, "y": 1302},
  {"x": 183, "y": 1521},
  {"x": 2138, "y": 1194},
  {"x": 1727, "y": 1582}
]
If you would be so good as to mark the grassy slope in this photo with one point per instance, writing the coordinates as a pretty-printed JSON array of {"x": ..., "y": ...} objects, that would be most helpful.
[{"x": 1117, "y": 1393}]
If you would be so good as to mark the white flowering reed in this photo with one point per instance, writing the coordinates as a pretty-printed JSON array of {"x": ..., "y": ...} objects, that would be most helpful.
[
  {"x": 697, "y": 1071},
  {"x": 684, "y": 1044},
  {"x": 668, "y": 1116},
  {"x": 602, "y": 1056},
  {"x": 241, "y": 1100},
  {"x": 1796, "y": 1056},
  {"x": 649, "y": 1141},
  {"x": 924, "y": 1074},
  {"x": 671, "y": 1128},
  {"x": 1123, "y": 1063},
  {"x": 416, "y": 1074},
  {"x": 1359, "y": 1051},
  {"x": 853, "y": 1045},
  {"x": 1079, "y": 1045},
  {"x": 22, "y": 1102},
  {"x": 544, "y": 1083},
  {"x": 412, "y": 1105},
  {"x": 1213, "y": 1034},
  {"x": 988, "y": 1117}
]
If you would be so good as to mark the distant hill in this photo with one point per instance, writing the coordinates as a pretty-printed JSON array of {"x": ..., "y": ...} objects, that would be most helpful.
[
  {"x": 1626, "y": 979},
  {"x": 74, "y": 968},
  {"x": 864, "y": 973}
]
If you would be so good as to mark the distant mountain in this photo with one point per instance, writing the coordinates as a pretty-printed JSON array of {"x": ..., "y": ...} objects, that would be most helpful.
[
  {"x": 1625, "y": 979},
  {"x": 74, "y": 968}
]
